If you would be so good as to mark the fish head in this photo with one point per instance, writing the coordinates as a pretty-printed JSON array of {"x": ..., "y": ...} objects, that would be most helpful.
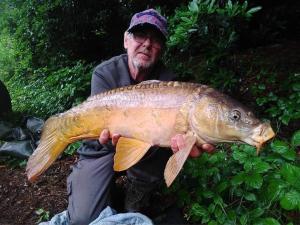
[{"x": 216, "y": 118}]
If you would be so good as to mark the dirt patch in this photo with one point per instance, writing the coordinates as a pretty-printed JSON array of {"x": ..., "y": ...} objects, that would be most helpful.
[{"x": 20, "y": 199}]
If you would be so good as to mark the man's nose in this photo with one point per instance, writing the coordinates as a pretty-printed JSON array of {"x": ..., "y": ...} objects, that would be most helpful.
[{"x": 147, "y": 42}]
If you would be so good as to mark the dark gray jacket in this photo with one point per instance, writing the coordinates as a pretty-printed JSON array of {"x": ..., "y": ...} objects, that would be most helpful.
[{"x": 111, "y": 74}]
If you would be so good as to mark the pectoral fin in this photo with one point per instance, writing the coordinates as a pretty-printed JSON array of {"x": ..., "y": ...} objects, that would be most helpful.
[
  {"x": 128, "y": 152},
  {"x": 176, "y": 161}
]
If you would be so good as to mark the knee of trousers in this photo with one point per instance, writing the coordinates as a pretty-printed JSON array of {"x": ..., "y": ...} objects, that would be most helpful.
[{"x": 80, "y": 219}]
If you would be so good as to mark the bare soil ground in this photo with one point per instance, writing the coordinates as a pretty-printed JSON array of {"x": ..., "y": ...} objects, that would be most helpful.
[{"x": 20, "y": 199}]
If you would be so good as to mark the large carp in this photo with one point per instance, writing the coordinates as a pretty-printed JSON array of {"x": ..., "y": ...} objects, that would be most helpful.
[{"x": 149, "y": 114}]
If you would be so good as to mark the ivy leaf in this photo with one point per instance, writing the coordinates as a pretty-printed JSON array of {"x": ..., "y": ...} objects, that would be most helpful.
[
  {"x": 296, "y": 139},
  {"x": 291, "y": 200}
]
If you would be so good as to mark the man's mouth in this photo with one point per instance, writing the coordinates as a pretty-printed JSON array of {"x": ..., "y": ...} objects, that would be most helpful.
[{"x": 144, "y": 54}]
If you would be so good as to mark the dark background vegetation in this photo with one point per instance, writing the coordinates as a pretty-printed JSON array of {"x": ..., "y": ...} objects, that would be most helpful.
[{"x": 250, "y": 50}]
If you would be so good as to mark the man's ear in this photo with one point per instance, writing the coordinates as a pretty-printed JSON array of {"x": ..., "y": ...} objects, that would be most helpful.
[{"x": 125, "y": 39}]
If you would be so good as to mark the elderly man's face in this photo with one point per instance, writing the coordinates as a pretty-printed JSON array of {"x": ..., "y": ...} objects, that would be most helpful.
[{"x": 144, "y": 48}]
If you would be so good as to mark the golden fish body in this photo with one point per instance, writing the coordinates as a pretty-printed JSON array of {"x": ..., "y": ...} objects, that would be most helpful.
[{"x": 150, "y": 114}]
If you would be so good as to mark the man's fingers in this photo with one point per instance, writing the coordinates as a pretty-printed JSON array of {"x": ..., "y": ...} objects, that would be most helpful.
[
  {"x": 195, "y": 152},
  {"x": 174, "y": 145},
  {"x": 177, "y": 142},
  {"x": 104, "y": 136},
  {"x": 208, "y": 148},
  {"x": 115, "y": 138}
]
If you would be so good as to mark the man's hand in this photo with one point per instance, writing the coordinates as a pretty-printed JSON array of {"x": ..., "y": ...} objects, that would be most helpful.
[
  {"x": 177, "y": 142},
  {"x": 105, "y": 136}
]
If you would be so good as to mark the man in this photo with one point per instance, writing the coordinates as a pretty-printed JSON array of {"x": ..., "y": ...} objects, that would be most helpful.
[{"x": 91, "y": 180}]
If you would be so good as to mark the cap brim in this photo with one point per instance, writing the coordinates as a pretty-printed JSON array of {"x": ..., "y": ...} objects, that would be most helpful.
[{"x": 147, "y": 26}]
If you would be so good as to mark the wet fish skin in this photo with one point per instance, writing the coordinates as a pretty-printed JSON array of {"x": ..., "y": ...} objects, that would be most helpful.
[{"x": 152, "y": 113}]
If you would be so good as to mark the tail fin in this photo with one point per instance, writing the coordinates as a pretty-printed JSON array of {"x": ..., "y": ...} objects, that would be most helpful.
[{"x": 50, "y": 147}]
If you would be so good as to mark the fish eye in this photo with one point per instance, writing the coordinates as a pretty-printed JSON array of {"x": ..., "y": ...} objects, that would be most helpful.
[{"x": 235, "y": 115}]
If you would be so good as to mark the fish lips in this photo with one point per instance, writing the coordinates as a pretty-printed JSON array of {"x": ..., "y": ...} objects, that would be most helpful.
[{"x": 260, "y": 135}]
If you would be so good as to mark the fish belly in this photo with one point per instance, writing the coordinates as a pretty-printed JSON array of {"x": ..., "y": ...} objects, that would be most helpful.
[{"x": 154, "y": 126}]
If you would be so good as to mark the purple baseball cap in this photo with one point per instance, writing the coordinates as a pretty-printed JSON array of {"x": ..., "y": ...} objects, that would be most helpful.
[{"x": 151, "y": 17}]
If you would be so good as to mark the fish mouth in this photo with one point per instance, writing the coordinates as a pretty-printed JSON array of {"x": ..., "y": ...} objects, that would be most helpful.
[{"x": 260, "y": 135}]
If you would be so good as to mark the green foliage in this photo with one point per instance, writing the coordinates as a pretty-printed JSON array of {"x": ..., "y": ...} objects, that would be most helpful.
[
  {"x": 206, "y": 32},
  {"x": 281, "y": 103},
  {"x": 13, "y": 162},
  {"x": 49, "y": 92},
  {"x": 239, "y": 187},
  {"x": 72, "y": 148},
  {"x": 43, "y": 215}
]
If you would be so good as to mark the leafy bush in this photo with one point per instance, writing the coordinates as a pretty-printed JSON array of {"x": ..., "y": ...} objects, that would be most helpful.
[
  {"x": 239, "y": 187},
  {"x": 282, "y": 102},
  {"x": 48, "y": 92},
  {"x": 206, "y": 32}
]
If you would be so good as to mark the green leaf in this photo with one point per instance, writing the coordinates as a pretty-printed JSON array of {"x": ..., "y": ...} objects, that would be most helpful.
[
  {"x": 238, "y": 179},
  {"x": 185, "y": 19},
  {"x": 208, "y": 194},
  {"x": 279, "y": 146},
  {"x": 275, "y": 189},
  {"x": 254, "y": 10},
  {"x": 198, "y": 210},
  {"x": 254, "y": 180},
  {"x": 296, "y": 87},
  {"x": 212, "y": 222},
  {"x": 222, "y": 186},
  {"x": 261, "y": 167},
  {"x": 244, "y": 219},
  {"x": 250, "y": 197},
  {"x": 290, "y": 155},
  {"x": 296, "y": 139},
  {"x": 290, "y": 200},
  {"x": 240, "y": 156},
  {"x": 193, "y": 6},
  {"x": 285, "y": 118},
  {"x": 267, "y": 221},
  {"x": 291, "y": 174},
  {"x": 255, "y": 213}
]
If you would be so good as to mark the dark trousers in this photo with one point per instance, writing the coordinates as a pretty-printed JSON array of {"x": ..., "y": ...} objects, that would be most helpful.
[{"x": 91, "y": 180}]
